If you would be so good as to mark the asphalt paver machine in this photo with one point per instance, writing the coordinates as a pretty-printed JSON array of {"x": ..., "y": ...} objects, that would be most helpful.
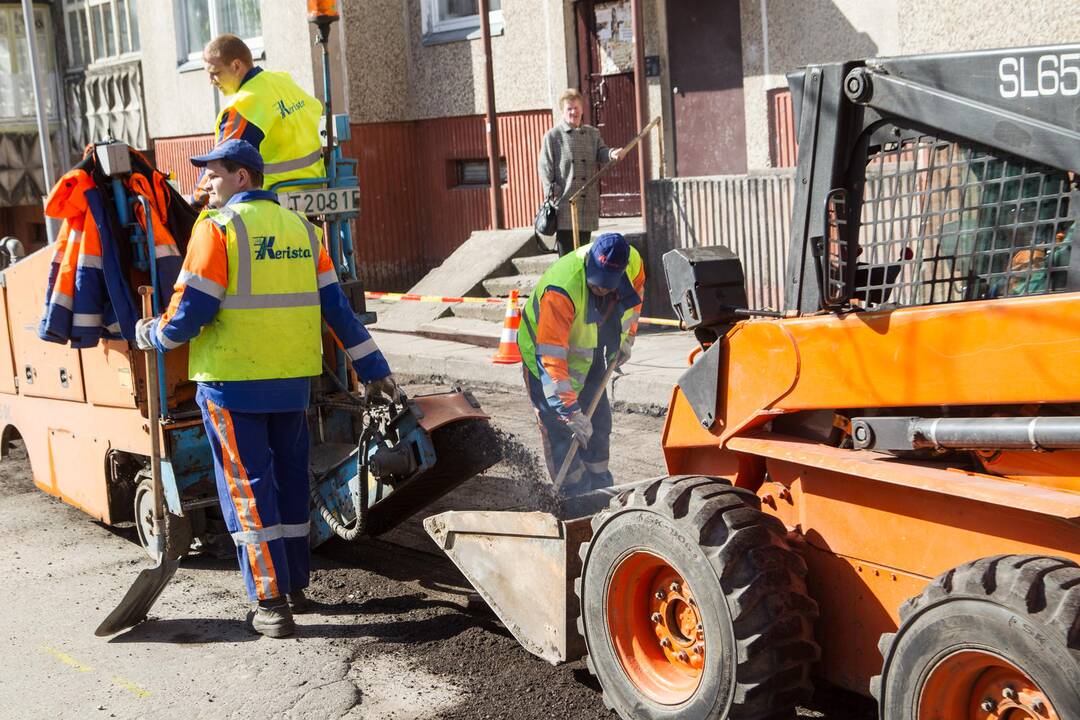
[
  {"x": 879, "y": 485},
  {"x": 85, "y": 416}
]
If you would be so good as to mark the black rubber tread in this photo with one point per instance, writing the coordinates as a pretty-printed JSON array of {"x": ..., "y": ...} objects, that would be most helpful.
[
  {"x": 762, "y": 580},
  {"x": 1043, "y": 589}
]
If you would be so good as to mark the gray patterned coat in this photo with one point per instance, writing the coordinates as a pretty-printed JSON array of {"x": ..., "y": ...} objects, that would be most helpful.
[{"x": 573, "y": 154}]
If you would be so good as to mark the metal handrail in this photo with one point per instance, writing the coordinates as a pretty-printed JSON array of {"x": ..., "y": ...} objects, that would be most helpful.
[{"x": 657, "y": 122}]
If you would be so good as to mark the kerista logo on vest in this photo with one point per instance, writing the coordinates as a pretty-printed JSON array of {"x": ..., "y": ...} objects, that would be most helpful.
[
  {"x": 264, "y": 250},
  {"x": 287, "y": 110}
]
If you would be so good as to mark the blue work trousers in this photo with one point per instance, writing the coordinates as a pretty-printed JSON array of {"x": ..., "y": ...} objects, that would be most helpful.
[
  {"x": 589, "y": 468},
  {"x": 261, "y": 465}
]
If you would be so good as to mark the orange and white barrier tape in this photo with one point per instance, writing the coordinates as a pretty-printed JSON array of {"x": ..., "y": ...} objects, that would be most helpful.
[{"x": 413, "y": 297}]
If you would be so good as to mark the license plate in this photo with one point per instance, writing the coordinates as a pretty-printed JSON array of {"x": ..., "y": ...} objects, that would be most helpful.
[{"x": 335, "y": 201}]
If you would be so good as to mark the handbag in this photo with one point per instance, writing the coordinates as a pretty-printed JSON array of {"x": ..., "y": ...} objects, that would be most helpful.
[{"x": 547, "y": 218}]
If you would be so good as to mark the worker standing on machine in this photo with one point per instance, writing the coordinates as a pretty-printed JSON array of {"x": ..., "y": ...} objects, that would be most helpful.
[
  {"x": 268, "y": 110},
  {"x": 255, "y": 282},
  {"x": 581, "y": 317}
]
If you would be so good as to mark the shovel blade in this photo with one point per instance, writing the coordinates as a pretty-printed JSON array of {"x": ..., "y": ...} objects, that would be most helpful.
[{"x": 142, "y": 595}]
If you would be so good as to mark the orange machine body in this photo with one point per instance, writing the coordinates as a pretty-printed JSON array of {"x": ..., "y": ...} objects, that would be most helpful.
[
  {"x": 874, "y": 528},
  {"x": 71, "y": 407}
]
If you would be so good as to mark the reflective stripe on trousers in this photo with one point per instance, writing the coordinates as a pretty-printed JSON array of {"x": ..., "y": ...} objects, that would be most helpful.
[{"x": 274, "y": 532}]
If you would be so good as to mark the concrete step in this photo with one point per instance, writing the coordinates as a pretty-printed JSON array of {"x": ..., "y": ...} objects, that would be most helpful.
[
  {"x": 535, "y": 264},
  {"x": 486, "y": 252},
  {"x": 464, "y": 330},
  {"x": 488, "y": 312},
  {"x": 501, "y": 286}
]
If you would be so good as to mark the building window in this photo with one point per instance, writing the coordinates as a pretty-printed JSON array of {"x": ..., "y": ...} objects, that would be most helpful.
[
  {"x": 203, "y": 20},
  {"x": 17, "y": 105},
  {"x": 446, "y": 20},
  {"x": 474, "y": 173},
  {"x": 100, "y": 31}
]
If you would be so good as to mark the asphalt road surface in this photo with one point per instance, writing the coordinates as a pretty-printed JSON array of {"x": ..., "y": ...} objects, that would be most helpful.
[{"x": 392, "y": 635}]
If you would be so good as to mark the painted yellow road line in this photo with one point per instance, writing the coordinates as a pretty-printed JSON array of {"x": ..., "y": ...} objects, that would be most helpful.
[
  {"x": 67, "y": 659},
  {"x": 71, "y": 662},
  {"x": 130, "y": 687}
]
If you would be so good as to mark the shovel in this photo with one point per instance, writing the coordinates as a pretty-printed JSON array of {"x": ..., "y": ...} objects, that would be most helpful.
[
  {"x": 561, "y": 477},
  {"x": 148, "y": 585}
]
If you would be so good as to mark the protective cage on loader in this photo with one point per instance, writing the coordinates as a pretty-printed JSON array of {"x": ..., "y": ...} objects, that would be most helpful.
[{"x": 878, "y": 486}]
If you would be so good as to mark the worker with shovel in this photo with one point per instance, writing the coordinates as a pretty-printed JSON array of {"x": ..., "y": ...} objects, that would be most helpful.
[
  {"x": 255, "y": 282},
  {"x": 576, "y": 328}
]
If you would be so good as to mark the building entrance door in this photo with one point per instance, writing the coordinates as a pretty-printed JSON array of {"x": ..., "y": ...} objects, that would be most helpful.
[
  {"x": 705, "y": 63},
  {"x": 606, "y": 65}
]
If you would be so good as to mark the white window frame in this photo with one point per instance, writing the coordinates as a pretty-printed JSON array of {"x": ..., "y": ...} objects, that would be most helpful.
[
  {"x": 191, "y": 58},
  {"x": 461, "y": 28},
  {"x": 92, "y": 58},
  {"x": 18, "y": 30}
]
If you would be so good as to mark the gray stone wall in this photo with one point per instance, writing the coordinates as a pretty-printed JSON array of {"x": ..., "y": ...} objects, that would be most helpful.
[
  {"x": 832, "y": 30},
  {"x": 813, "y": 31},
  {"x": 929, "y": 26},
  {"x": 395, "y": 76}
]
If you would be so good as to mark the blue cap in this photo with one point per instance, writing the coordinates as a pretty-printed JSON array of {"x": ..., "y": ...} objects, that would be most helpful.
[
  {"x": 607, "y": 261},
  {"x": 240, "y": 152}
]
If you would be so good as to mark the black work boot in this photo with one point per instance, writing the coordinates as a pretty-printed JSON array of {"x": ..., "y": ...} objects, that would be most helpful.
[
  {"x": 273, "y": 618},
  {"x": 298, "y": 602}
]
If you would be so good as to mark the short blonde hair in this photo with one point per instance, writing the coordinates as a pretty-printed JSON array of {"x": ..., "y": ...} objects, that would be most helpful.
[
  {"x": 570, "y": 94},
  {"x": 226, "y": 48}
]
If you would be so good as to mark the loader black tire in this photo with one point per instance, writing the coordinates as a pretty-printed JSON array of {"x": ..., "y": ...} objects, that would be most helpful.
[
  {"x": 1017, "y": 616},
  {"x": 744, "y": 586},
  {"x": 178, "y": 530}
]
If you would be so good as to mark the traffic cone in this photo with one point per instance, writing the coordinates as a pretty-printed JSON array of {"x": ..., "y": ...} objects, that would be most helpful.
[{"x": 508, "y": 352}]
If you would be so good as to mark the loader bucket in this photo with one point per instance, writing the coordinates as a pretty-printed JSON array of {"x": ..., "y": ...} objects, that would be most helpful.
[{"x": 523, "y": 564}]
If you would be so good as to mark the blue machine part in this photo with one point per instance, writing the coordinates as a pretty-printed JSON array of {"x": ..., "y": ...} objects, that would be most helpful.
[
  {"x": 339, "y": 488},
  {"x": 187, "y": 468}
]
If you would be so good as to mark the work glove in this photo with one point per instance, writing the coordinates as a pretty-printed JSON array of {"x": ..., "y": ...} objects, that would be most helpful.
[
  {"x": 384, "y": 387},
  {"x": 144, "y": 330},
  {"x": 581, "y": 426}
]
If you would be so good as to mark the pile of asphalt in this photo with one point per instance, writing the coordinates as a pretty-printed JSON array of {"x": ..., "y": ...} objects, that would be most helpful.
[{"x": 414, "y": 607}]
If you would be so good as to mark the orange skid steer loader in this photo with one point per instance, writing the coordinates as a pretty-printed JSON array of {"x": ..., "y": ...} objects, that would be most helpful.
[{"x": 880, "y": 485}]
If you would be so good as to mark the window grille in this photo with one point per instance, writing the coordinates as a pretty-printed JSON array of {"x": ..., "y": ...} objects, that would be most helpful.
[
  {"x": 942, "y": 221},
  {"x": 100, "y": 31}
]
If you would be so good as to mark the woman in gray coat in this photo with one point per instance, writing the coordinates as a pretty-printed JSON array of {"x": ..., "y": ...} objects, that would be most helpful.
[{"x": 571, "y": 154}]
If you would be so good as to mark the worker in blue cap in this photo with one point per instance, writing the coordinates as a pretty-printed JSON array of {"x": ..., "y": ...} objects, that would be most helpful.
[
  {"x": 255, "y": 287},
  {"x": 582, "y": 317}
]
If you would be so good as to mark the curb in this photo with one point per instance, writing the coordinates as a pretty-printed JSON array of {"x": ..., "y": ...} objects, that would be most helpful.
[{"x": 418, "y": 358}]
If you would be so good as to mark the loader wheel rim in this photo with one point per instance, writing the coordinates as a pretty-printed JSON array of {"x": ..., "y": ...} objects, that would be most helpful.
[
  {"x": 144, "y": 519},
  {"x": 978, "y": 685},
  {"x": 655, "y": 628}
]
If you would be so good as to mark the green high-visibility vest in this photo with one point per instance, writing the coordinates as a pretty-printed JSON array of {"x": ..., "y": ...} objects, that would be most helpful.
[
  {"x": 269, "y": 324},
  {"x": 568, "y": 273},
  {"x": 289, "y": 119}
]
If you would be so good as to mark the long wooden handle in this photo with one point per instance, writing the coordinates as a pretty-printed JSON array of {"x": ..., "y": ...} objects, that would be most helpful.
[
  {"x": 154, "y": 421},
  {"x": 561, "y": 477}
]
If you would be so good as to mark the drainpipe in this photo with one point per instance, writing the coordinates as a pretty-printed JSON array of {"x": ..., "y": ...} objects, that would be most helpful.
[
  {"x": 641, "y": 97},
  {"x": 42, "y": 117},
  {"x": 492, "y": 123}
]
